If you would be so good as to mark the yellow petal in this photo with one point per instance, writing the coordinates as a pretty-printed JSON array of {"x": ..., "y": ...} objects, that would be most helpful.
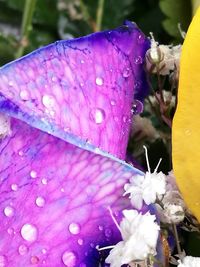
[{"x": 186, "y": 123}]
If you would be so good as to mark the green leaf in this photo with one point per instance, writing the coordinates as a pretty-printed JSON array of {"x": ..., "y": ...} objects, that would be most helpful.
[{"x": 176, "y": 12}]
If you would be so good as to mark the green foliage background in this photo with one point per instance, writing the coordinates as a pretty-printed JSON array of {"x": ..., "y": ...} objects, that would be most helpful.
[{"x": 62, "y": 19}]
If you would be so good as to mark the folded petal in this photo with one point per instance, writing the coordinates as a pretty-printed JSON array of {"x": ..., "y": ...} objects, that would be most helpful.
[{"x": 70, "y": 108}]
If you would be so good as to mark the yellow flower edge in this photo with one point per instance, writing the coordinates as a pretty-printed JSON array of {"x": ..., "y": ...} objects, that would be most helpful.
[{"x": 186, "y": 123}]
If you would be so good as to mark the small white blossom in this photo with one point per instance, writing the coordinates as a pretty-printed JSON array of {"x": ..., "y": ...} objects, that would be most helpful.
[
  {"x": 147, "y": 188},
  {"x": 139, "y": 233},
  {"x": 189, "y": 261},
  {"x": 167, "y": 58},
  {"x": 171, "y": 213},
  {"x": 173, "y": 210}
]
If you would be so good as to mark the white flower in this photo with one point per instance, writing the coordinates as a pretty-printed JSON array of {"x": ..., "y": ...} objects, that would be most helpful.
[
  {"x": 189, "y": 261},
  {"x": 171, "y": 213},
  {"x": 146, "y": 188},
  {"x": 173, "y": 210},
  {"x": 139, "y": 233},
  {"x": 167, "y": 58}
]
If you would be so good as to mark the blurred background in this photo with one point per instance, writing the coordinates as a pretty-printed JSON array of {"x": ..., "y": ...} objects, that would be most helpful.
[{"x": 26, "y": 25}]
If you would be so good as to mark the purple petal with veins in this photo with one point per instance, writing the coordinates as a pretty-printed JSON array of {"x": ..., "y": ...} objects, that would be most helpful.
[{"x": 61, "y": 166}]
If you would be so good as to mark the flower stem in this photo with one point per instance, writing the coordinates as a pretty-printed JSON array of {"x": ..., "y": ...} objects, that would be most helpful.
[
  {"x": 26, "y": 26},
  {"x": 99, "y": 15},
  {"x": 177, "y": 241}
]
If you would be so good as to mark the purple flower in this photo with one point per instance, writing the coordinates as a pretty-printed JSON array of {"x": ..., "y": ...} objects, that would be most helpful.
[{"x": 61, "y": 166}]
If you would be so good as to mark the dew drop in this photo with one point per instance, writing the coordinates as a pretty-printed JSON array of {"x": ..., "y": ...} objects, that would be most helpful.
[
  {"x": 23, "y": 249},
  {"x": 141, "y": 39},
  {"x": 20, "y": 153},
  {"x": 48, "y": 101},
  {"x": 100, "y": 228},
  {"x": 99, "y": 81},
  {"x": 108, "y": 232},
  {"x": 14, "y": 187},
  {"x": 33, "y": 174},
  {"x": 44, "y": 181},
  {"x": 34, "y": 260},
  {"x": 74, "y": 228},
  {"x": 44, "y": 251},
  {"x": 116, "y": 119},
  {"x": 80, "y": 241},
  {"x": 9, "y": 211},
  {"x": 97, "y": 115},
  {"x": 29, "y": 232},
  {"x": 137, "y": 107},
  {"x": 69, "y": 259},
  {"x": 113, "y": 102},
  {"x": 92, "y": 245},
  {"x": 125, "y": 119},
  {"x": 82, "y": 61},
  {"x": 10, "y": 231},
  {"x": 10, "y": 83},
  {"x": 126, "y": 72},
  {"x": 3, "y": 261},
  {"x": 24, "y": 95},
  {"x": 81, "y": 84},
  {"x": 138, "y": 60},
  {"x": 40, "y": 202}
]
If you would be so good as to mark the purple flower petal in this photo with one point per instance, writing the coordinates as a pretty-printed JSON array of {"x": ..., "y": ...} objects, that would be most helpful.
[{"x": 70, "y": 108}]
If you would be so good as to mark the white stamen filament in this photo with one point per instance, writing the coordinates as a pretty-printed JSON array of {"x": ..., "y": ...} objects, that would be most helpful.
[
  {"x": 113, "y": 218},
  {"x": 157, "y": 165},
  {"x": 147, "y": 160}
]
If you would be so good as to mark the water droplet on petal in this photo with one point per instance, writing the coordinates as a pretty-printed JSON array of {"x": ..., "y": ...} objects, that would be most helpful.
[
  {"x": 138, "y": 60},
  {"x": 14, "y": 187},
  {"x": 141, "y": 39},
  {"x": 113, "y": 102},
  {"x": 3, "y": 261},
  {"x": 82, "y": 61},
  {"x": 116, "y": 119},
  {"x": 20, "y": 153},
  {"x": 80, "y": 241},
  {"x": 33, "y": 174},
  {"x": 29, "y": 232},
  {"x": 44, "y": 251},
  {"x": 100, "y": 228},
  {"x": 126, "y": 72},
  {"x": 99, "y": 81},
  {"x": 44, "y": 181},
  {"x": 97, "y": 115},
  {"x": 34, "y": 260},
  {"x": 125, "y": 119},
  {"x": 74, "y": 228},
  {"x": 137, "y": 107},
  {"x": 69, "y": 259},
  {"x": 108, "y": 232},
  {"x": 23, "y": 249},
  {"x": 48, "y": 101},
  {"x": 40, "y": 202},
  {"x": 10, "y": 231},
  {"x": 9, "y": 211},
  {"x": 24, "y": 95}
]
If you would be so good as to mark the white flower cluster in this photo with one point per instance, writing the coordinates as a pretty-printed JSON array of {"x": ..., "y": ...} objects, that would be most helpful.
[
  {"x": 145, "y": 188},
  {"x": 166, "y": 57},
  {"x": 189, "y": 261},
  {"x": 139, "y": 233}
]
